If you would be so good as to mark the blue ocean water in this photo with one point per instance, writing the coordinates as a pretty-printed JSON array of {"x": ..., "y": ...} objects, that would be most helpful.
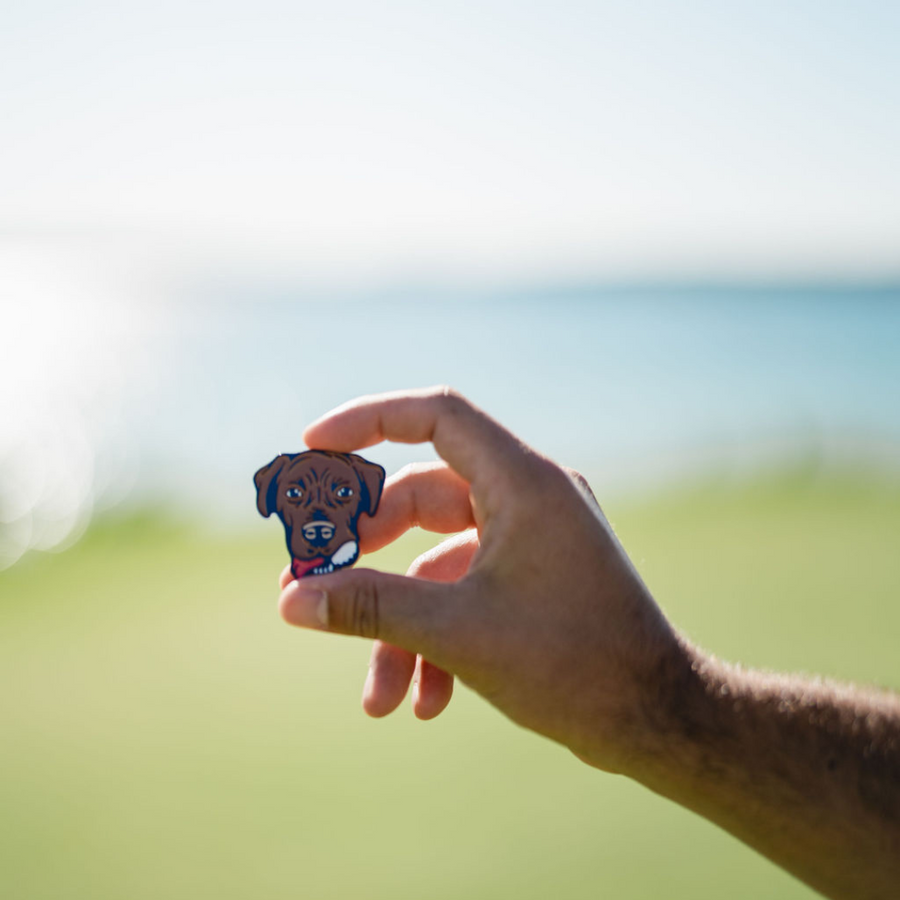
[{"x": 626, "y": 384}]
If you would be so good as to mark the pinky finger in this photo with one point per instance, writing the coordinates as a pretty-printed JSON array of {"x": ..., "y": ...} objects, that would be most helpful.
[
  {"x": 432, "y": 690},
  {"x": 449, "y": 561}
]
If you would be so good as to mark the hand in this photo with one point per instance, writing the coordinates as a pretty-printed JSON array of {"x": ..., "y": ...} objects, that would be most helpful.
[{"x": 535, "y": 605}]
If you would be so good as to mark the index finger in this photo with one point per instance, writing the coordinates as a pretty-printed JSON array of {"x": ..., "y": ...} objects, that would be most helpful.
[{"x": 474, "y": 445}]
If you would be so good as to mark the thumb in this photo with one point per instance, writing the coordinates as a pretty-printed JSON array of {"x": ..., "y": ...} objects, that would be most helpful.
[{"x": 421, "y": 616}]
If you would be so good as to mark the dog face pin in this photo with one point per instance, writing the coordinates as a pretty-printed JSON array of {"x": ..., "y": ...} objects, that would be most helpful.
[{"x": 319, "y": 495}]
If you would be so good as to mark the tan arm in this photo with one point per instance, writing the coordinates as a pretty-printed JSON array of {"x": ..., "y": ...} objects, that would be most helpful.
[{"x": 806, "y": 772}]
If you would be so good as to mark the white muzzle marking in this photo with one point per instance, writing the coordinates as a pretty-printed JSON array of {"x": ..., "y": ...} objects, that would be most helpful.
[{"x": 344, "y": 554}]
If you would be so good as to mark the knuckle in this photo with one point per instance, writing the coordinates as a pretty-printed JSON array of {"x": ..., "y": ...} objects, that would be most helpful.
[
  {"x": 450, "y": 398},
  {"x": 442, "y": 390},
  {"x": 583, "y": 486},
  {"x": 408, "y": 470},
  {"x": 578, "y": 478},
  {"x": 424, "y": 565},
  {"x": 416, "y": 469},
  {"x": 360, "y": 614}
]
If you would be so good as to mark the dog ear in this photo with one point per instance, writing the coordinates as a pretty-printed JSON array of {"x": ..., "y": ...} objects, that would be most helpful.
[
  {"x": 371, "y": 480},
  {"x": 266, "y": 481}
]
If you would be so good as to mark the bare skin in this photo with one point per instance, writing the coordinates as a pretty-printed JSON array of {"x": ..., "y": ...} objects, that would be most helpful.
[{"x": 535, "y": 605}]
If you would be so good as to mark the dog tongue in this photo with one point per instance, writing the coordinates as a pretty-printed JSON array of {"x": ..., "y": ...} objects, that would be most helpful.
[{"x": 299, "y": 567}]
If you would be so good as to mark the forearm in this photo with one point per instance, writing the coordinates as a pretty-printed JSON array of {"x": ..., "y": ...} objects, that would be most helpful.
[{"x": 806, "y": 772}]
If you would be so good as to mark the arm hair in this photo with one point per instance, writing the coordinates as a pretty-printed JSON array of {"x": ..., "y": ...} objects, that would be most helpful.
[{"x": 805, "y": 771}]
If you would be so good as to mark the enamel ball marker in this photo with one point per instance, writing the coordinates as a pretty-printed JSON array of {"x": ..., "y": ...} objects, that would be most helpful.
[{"x": 319, "y": 496}]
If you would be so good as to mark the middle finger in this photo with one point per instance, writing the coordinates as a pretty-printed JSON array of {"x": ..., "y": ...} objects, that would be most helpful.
[{"x": 428, "y": 495}]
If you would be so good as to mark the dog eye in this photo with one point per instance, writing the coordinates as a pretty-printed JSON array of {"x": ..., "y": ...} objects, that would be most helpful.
[
  {"x": 344, "y": 492},
  {"x": 294, "y": 493}
]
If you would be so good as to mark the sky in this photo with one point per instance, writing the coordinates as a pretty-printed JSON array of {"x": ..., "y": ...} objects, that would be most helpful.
[
  {"x": 346, "y": 141},
  {"x": 157, "y": 154}
]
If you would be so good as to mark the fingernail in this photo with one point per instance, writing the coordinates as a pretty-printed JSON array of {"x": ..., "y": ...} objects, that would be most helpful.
[{"x": 304, "y": 605}]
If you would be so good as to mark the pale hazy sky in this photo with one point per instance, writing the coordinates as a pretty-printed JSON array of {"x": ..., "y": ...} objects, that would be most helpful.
[
  {"x": 145, "y": 148},
  {"x": 487, "y": 139}
]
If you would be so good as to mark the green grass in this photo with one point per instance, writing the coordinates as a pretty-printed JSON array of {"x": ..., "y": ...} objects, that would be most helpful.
[{"x": 165, "y": 735}]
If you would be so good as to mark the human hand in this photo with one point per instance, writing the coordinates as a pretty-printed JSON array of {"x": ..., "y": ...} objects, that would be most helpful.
[{"x": 535, "y": 605}]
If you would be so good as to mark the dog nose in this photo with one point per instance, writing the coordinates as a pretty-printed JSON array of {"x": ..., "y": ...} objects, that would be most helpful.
[{"x": 319, "y": 532}]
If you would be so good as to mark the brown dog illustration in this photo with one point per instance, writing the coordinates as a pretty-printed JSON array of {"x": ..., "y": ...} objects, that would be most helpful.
[{"x": 319, "y": 495}]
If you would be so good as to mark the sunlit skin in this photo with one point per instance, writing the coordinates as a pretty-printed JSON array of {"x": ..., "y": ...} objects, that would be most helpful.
[{"x": 535, "y": 605}]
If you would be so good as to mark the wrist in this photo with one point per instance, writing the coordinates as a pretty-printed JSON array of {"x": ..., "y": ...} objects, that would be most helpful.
[
  {"x": 677, "y": 712},
  {"x": 672, "y": 718},
  {"x": 670, "y": 708}
]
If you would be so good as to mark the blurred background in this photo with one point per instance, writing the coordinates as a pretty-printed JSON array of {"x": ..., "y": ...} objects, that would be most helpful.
[{"x": 660, "y": 241}]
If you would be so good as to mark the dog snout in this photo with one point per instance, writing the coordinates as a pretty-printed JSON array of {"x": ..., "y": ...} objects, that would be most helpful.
[{"x": 318, "y": 532}]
